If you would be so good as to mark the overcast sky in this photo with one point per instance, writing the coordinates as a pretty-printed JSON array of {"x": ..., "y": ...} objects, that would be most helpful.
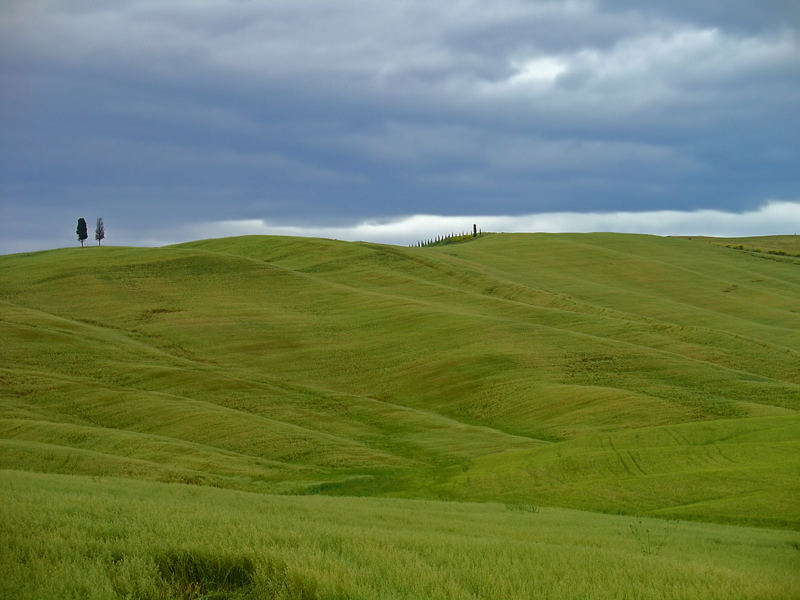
[{"x": 395, "y": 120}]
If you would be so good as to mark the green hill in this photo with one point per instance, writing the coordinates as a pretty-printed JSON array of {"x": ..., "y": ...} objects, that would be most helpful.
[
  {"x": 612, "y": 365},
  {"x": 611, "y": 373}
]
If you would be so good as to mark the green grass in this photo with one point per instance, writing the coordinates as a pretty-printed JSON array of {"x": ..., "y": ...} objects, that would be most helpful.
[
  {"x": 788, "y": 244},
  {"x": 630, "y": 375},
  {"x": 740, "y": 471},
  {"x": 81, "y": 537}
]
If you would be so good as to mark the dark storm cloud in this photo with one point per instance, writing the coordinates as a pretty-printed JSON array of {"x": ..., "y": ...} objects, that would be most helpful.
[{"x": 331, "y": 113}]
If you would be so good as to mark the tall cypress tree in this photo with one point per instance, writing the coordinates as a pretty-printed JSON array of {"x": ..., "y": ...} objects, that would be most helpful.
[
  {"x": 81, "y": 231},
  {"x": 99, "y": 231}
]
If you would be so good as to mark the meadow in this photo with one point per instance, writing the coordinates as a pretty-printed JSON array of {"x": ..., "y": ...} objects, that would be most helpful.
[
  {"x": 82, "y": 537},
  {"x": 550, "y": 416}
]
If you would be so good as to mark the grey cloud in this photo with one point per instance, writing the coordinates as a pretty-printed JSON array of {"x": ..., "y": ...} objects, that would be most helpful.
[
  {"x": 374, "y": 50},
  {"x": 418, "y": 145},
  {"x": 738, "y": 15},
  {"x": 305, "y": 111}
]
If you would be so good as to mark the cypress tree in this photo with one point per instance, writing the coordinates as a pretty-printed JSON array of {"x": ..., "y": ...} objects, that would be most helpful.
[
  {"x": 99, "y": 232},
  {"x": 81, "y": 231}
]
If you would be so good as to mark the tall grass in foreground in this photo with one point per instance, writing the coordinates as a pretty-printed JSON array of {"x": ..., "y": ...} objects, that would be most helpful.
[{"x": 79, "y": 537}]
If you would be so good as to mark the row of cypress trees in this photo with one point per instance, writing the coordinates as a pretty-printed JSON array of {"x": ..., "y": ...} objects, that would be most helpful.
[
  {"x": 83, "y": 234},
  {"x": 453, "y": 238}
]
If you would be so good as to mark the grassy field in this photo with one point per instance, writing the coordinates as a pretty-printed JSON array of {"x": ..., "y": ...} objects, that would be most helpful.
[
  {"x": 93, "y": 538},
  {"x": 629, "y": 375},
  {"x": 788, "y": 244}
]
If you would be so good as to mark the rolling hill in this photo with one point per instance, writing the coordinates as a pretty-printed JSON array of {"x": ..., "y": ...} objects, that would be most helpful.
[
  {"x": 286, "y": 364},
  {"x": 612, "y": 373}
]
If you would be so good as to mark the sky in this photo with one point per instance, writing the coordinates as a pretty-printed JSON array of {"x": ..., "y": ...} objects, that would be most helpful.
[{"x": 394, "y": 121}]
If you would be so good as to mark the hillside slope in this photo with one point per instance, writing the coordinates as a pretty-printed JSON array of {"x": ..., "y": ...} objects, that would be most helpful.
[{"x": 601, "y": 371}]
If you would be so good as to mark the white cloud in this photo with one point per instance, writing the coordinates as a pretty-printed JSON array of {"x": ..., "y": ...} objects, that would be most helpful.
[
  {"x": 663, "y": 64},
  {"x": 691, "y": 55},
  {"x": 535, "y": 74},
  {"x": 773, "y": 218},
  {"x": 544, "y": 69}
]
